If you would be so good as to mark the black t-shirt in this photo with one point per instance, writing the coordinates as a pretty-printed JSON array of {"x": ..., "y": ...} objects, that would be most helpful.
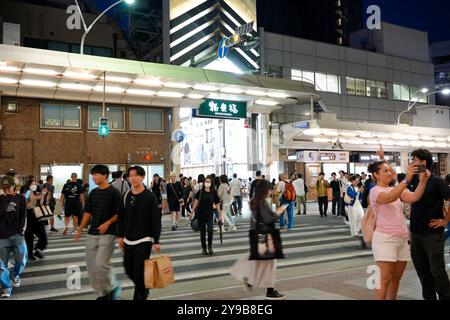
[
  {"x": 13, "y": 215},
  {"x": 430, "y": 206},
  {"x": 174, "y": 192},
  {"x": 334, "y": 184},
  {"x": 141, "y": 217},
  {"x": 72, "y": 192},
  {"x": 103, "y": 204},
  {"x": 156, "y": 189},
  {"x": 205, "y": 205}
]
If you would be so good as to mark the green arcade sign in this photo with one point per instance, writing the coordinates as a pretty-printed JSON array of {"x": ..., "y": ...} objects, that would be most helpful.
[{"x": 223, "y": 109}]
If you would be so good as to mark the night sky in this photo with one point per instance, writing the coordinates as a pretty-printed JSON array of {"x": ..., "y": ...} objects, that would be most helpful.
[{"x": 432, "y": 16}]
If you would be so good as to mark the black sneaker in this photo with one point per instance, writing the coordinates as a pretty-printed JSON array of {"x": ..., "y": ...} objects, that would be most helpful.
[
  {"x": 38, "y": 254},
  {"x": 275, "y": 295},
  {"x": 32, "y": 258},
  {"x": 211, "y": 252},
  {"x": 53, "y": 229},
  {"x": 204, "y": 252},
  {"x": 174, "y": 227}
]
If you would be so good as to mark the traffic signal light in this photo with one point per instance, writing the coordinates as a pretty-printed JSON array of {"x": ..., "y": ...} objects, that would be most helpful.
[{"x": 103, "y": 128}]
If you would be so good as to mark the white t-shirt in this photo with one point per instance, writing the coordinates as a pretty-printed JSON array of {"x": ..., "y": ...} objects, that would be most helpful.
[
  {"x": 299, "y": 186},
  {"x": 281, "y": 186},
  {"x": 236, "y": 186}
]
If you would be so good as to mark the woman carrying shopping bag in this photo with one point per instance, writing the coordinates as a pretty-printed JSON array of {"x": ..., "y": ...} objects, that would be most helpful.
[
  {"x": 355, "y": 211},
  {"x": 259, "y": 269}
]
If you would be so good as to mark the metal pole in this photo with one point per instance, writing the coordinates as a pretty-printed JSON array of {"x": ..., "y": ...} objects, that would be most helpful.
[
  {"x": 312, "y": 107},
  {"x": 104, "y": 93}
]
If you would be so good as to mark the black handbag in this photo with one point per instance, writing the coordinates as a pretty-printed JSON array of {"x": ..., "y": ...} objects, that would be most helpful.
[
  {"x": 195, "y": 225},
  {"x": 265, "y": 242}
]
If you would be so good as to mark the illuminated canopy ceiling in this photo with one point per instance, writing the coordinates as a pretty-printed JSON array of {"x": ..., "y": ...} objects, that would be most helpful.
[{"x": 27, "y": 72}]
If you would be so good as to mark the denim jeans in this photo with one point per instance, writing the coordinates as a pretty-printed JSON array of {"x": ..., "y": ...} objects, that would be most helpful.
[
  {"x": 290, "y": 211},
  {"x": 16, "y": 245}
]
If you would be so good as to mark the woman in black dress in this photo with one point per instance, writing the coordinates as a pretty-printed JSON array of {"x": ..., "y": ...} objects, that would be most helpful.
[{"x": 156, "y": 189}]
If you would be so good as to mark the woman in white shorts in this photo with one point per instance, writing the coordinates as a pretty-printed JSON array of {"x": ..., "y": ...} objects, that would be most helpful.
[{"x": 390, "y": 245}]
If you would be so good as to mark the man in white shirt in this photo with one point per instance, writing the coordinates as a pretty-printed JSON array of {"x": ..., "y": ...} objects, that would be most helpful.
[
  {"x": 119, "y": 183},
  {"x": 343, "y": 184},
  {"x": 299, "y": 186},
  {"x": 236, "y": 189}
]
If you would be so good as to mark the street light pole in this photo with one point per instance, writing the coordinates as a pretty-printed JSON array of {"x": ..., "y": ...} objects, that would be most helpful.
[
  {"x": 410, "y": 106},
  {"x": 86, "y": 28}
]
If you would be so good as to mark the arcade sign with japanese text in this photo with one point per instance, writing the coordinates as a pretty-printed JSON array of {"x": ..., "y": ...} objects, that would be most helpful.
[
  {"x": 223, "y": 109},
  {"x": 323, "y": 156}
]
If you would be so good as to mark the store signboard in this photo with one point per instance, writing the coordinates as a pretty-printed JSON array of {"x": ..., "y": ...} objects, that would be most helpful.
[
  {"x": 323, "y": 156},
  {"x": 301, "y": 125},
  {"x": 223, "y": 109}
]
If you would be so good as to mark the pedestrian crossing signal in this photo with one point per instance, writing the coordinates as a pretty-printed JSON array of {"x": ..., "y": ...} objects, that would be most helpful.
[{"x": 103, "y": 128}]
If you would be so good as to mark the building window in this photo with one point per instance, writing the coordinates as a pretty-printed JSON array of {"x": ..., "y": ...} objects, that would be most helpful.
[
  {"x": 322, "y": 81},
  {"x": 115, "y": 115},
  {"x": 57, "y": 116},
  {"x": 366, "y": 88},
  {"x": 209, "y": 135},
  {"x": 376, "y": 89},
  {"x": 404, "y": 92},
  {"x": 146, "y": 120}
]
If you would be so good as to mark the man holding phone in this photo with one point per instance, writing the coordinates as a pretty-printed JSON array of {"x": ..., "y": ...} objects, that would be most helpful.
[{"x": 427, "y": 231}]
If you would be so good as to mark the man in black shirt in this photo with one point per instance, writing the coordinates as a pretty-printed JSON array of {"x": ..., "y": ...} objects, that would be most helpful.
[
  {"x": 72, "y": 199},
  {"x": 255, "y": 183},
  {"x": 334, "y": 184},
  {"x": 139, "y": 230},
  {"x": 427, "y": 232},
  {"x": 103, "y": 209},
  {"x": 13, "y": 216}
]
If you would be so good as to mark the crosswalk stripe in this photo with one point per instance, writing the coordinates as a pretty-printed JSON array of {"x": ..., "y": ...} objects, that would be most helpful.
[{"x": 305, "y": 244}]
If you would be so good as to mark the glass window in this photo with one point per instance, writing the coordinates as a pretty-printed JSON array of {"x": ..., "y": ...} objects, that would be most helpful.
[
  {"x": 351, "y": 86},
  {"x": 58, "y": 46},
  {"x": 360, "y": 85},
  {"x": 321, "y": 82},
  {"x": 401, "y": 92},
  {"x": 209, "y": 135},
  {"x": 308, "y": 76},
  {"x": 115, "y": 117},
  {"x": 376, "y": 89},
  {"x": 333, "y": 83},
  {"x": 155, "y": 121},
  {"x": 417, "y": 95},
  {"x": 60, "y": 116},
  {"x": 138, "y": 120},
  {"x": 147, "y": 119},
  {"x": 103, "y": 52}
]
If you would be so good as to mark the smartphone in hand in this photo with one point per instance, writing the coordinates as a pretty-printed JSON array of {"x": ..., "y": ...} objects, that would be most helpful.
[{"x": 422, "y": 168}]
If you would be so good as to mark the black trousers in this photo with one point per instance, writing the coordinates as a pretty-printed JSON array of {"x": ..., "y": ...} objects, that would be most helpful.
[
  {"x": 323, "y": 205},
  {"x": 427, "y": 253},
  {"x": 342, "y": 208},
  {"x": 133, "y": 261},
  {"x": 185, "y": 207},
  {"x": 206, "y": 225},
  {"x": 35, "y": 227},
  {"x": 336, "y": 203}
]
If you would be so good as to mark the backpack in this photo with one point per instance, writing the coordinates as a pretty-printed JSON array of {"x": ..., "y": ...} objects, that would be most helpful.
[{"x": 289, "y": 192}]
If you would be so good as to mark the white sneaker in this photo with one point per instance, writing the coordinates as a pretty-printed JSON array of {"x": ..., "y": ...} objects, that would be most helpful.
[{"x": 6, "y": 293}]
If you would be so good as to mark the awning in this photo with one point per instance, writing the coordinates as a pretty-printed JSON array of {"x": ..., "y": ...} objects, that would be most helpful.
[
  {"x": 362, "y": 136},
  {"x": 28, "y": 72}
]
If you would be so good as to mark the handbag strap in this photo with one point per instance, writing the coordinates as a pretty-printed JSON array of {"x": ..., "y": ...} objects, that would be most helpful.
[{"x": 173, "y": 189}]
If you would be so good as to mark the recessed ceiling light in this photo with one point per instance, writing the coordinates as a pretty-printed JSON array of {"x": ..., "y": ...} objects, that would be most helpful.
[
  {"x": 41, "y": 71},
  {"x": 109, "y": 89},
  {"x": 38, "y": 83},
  {"x": 169, "y": 94},
  {"x": 75, "y": 86},
  {"x": 205, "y": 87},
  {"x": 141, "y": 92},
  {"x": 195, "y": 96},
  {"x": 8, "y": 80},
  {"x": 231, "y": 90},
  {"x": 177, "y": 85},
  {"x": 118, "y": 79},
  {"x": 257, "y": 93},
  {"x": 152, "y": 82},
  {"x": 79, "y": 75},
  {"x": 9, "y": 68},
  {"x": 266, "y": 102}
]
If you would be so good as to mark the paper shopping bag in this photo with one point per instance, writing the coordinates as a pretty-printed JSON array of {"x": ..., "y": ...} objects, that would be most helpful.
[{"x": 158, "y": 272}]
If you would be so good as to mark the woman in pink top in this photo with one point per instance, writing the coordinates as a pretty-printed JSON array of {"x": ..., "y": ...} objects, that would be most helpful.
[{"x": 390, "y": 240}]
